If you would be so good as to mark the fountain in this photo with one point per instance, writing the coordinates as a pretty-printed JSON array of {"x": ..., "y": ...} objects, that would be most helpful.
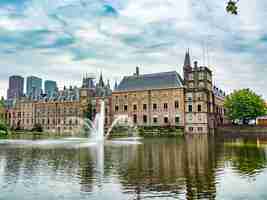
[{"x": 97, "y": 128}]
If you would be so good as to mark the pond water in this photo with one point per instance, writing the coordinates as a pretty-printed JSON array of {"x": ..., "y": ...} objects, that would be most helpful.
[{"x": 194, "y": 167}]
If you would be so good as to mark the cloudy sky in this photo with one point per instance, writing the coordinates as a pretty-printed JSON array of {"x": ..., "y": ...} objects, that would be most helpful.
[{"x": 62, "y": 39}]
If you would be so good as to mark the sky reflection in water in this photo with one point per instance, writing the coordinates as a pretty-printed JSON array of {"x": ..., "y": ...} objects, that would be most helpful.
[{"x": 198, "y": 167}]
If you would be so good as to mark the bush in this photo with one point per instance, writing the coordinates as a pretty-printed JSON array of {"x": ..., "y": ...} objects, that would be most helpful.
[
  {"x": 37, "y": 128},
  {"x": 3, "y": 129}
]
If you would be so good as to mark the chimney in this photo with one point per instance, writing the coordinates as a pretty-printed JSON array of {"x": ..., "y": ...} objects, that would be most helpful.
[
  {"x": 137, "y": 71},
  {"x": 195, "y": 64}
]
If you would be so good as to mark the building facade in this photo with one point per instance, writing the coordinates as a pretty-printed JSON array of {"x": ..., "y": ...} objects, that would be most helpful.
[
  {"x": 62, "y": 113},
  {"x": 165, "y": 99},
  {"x": 151, "y": 100},
  {"x": 16, "y": 87}
]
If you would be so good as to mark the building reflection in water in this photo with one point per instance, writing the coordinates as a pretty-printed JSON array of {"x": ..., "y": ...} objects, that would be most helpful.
[
  {"x": 179, "y": 168},
  {"x": 174, "y": 167}
]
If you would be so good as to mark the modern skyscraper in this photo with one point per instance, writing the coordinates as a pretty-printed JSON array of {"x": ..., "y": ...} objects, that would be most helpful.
[
  {"x": 34, "y": 87},
  {"x": 16, "y": 87},
  {"x": 50, "y": 87}
]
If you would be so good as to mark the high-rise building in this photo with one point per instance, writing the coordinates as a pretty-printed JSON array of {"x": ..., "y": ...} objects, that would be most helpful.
[
  {"x": 50, "y": 88},
  {"x": 34, "y": 87},
  {"x": 16, "y": 87}
]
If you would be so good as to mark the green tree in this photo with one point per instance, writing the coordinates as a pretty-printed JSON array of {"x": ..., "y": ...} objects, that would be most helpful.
[
  {"x": 3, "y": 126},
  {"x": 244, "y": 105},
  {"x": 231, "y": 7},
  {"x": 88, "y": 113}
]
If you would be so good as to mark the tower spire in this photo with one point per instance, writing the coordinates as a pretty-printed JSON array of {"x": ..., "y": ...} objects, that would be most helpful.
[
  {"x": 116, "y": 85},
  {"x": 187, "y": 66},
  {"x": 101, "y": 82},
  {"x": 187, "y": 60}
]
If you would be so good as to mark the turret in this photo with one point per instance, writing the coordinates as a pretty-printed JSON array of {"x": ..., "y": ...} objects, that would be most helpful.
[{"x": 187, "y": 66}]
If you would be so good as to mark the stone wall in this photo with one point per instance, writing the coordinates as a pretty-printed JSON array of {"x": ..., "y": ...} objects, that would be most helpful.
[
  {"x": 158, "y": 106},
  {"x": 146, "y": 131},
  {"x": 244, "y": 129}
]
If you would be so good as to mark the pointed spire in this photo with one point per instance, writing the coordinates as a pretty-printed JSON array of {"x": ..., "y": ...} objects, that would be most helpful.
[
  {"x": 108, "y": 84},
  {"x": 116, "y": 85},
  {"x": 101, "y": 82},
  {"x": 187, "y": 61}
]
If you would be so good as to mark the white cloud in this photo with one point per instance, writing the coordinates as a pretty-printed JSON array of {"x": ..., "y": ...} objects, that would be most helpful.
[{"x": 150, "y": 33}]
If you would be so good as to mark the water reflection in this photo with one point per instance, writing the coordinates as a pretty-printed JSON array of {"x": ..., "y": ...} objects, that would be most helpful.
[
  {"x": 171, "y": 168},
  {"x": 247, "y": 155},
  {"x": 194, "y": 167}
]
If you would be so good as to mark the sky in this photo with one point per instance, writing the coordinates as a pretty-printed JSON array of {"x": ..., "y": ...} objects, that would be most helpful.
[{"x": 64, "y": 39}]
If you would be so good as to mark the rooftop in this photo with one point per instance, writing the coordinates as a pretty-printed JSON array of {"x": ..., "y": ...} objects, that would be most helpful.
[{"x": 161, "y": 80}]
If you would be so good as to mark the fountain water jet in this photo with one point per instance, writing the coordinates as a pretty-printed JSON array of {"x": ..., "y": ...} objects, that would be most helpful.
[{"x": 97, "y": 127}]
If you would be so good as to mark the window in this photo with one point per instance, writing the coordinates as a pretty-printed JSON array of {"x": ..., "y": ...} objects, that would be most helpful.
[
  {"x": 166, "y": 120},
  {"x": 154, "y": 106},
  {"x": 165, "y": 106},
  {"x": 190, "y": 76},
  {"x": 199, "y": 108},
  {"x": 191, "y": 85},
  {"x": 135, "y": 119},
  {"x": 70, "y": 122},
  {"x": 125, "y": 108},
  {"x": 155, "y": 120},
  {"x": 144, "y": 106},
  {"x": 145, "y": 119},
  {"x": 177, "y": 120},
  {"x": 191, "y": 129},
  {"x": 190, "y": 108},
  {"x": 201, "y": 76},
  {"x": 116, "y": 108},
  {"x": 201, "y": 85},
  {"x": 134, "y": 107},
  {"x": 199, "y": 129},
  {"x": 200, "y": 96},
  {"x": 176, "y": 104},
  {"x": 189, "y": 96}
]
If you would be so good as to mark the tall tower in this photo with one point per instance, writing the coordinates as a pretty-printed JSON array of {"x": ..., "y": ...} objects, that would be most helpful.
[
  {"x": 50, "y": 88},
  {"x": 16, "y": 87},
  {"x": 199, "y": 100},
  {"x": 34, "y": 87},
  {"x": 187, "y": 66}
]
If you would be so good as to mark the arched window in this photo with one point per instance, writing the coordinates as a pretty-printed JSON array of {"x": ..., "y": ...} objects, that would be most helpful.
[{"x": 199, "y": 108}]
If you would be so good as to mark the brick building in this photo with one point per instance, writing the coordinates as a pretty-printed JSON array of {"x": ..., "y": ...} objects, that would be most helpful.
[
  {"x": 151, "y": 99},
  {"x": 64, "y": 112},
  {"x": 165, "y": 99}
]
